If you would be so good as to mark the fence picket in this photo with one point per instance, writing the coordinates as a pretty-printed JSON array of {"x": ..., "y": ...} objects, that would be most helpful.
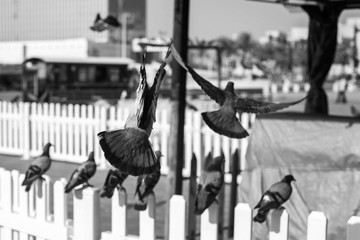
[
  {"x": 317, "y": 226},
  {"x": 177, "y": 218},
  {"x": 243, "y": 222},
  {"x": 279, "y": 225},
  {"x": 6, "y": 203},
  {"x": 147, "y": 220},
  {"x": 86, "y": 214},
  {"x": 208, "y": 224},
  {"x": 353, "y": 228}
]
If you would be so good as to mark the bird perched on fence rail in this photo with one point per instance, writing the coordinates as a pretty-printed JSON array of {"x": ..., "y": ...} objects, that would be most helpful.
[
  {"x": 82, "y": 174},
  {"x": 145, "y": 185},
  {"x": 101, "y": 24},
  {"x": 129, "y": 149},
  {"x": 224, "y": 120},
  {"x": 38, "y": 167},
  {"x": 211, "y": 181},
  {"x": 114, "y": 178},
  {"x": 274, "y": 197}
]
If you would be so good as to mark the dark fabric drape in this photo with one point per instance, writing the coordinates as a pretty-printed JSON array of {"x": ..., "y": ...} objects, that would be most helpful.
[{"x": 322, "y": 42}]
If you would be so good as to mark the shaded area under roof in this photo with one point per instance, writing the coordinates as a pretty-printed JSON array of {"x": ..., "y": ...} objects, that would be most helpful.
[{"x": 347, "y": 4}]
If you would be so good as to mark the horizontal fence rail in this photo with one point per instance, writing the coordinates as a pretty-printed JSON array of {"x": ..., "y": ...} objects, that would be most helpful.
[
  {"x": 33, "y": 214},
  {"x": 26, "y": 127}
]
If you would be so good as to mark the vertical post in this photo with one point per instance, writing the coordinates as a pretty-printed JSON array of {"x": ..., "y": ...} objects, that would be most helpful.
[
  {"x": 243, "y": 218},
  {"x": 233, "y": 193},
  {"x": 60, "y": 204},
  {"x": 192, "y": 195},
  {"x": 177, "y": 218},
  {"x": 26, "y": 133},
  {"x": 279, "y": 226},
  {"x": 118, "y": 214},
  {"x": 317, "y": 226},
  {"x": 353, "y": 228},
  {"x": 178, "y": 94},
  {"x": 147, "y": 220},
  {"x": 209, "y": 223},
  {"x": 86, "y": 214},
  {"x": 124, "y": 17},
  {"x": 6, "y": 201}
]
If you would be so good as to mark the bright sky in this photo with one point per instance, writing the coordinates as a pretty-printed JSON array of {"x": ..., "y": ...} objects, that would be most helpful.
[{"x": 213, "y": 18}]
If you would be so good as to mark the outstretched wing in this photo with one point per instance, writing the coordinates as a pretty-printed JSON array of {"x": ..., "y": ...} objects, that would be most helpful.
[
  {"x": 213, "y": 92},
  {"x": 253, "y": 106}
]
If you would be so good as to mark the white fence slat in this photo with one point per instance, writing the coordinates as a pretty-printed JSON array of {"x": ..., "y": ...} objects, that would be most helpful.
[
  {"x": 243, "y": 222},
  {"x": 70, "y": 117},
  {"x": 60, "y": 203},
  {"x": 90, "y": 129},
  {"x": 353, "y": 228},
  {"x": 77, "y": 124},
  {"x": 40, "y": 120},
  {"x": 177, "y": 218},
  {"x": 64, "y": 131},
  {"x": 83, "y": 131},
  {"x": 317, "y": 226},
  {"x": 208, "y": 224},
  {"x": 11, "y": 125},
  {"x": 279, "y": 225},
  {"x": 6, "y": 201},
  {"x": 41, "y": 201},
  {"x": 86, "y": 214},
  {"x": 118, "y": 214},
  {"x": 15, "y": 183},
  {"x": 23, "y": 205},
  {"x": 147, "y": 220},
  {"x": 45, "y": 123},
  {"x": 57, "y": 144}
]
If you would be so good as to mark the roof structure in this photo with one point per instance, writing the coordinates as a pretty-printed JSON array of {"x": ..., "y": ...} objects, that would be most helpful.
[{"x": 348, "y": 4}]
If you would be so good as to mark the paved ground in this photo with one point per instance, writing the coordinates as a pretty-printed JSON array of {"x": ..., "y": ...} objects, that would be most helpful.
[{"x": 59, "y": 170}]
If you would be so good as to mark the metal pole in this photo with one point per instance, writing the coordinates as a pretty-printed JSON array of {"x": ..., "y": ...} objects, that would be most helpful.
[
  {"x": 123, "y": 34},
  {"x": 178, "y": 94}
]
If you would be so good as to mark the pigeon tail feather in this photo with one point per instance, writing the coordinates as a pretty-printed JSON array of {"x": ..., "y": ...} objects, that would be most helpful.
[
  {"x": 107, "y": 192},
  {"x": 224, "y": 125},
  {"x": 261, "y": 216},
  {"x": 129, "y": 150},
  {"x": 28, "y": 187},
  {"x": 72, "y": 184},
  {"x": 140, "y": 206}
]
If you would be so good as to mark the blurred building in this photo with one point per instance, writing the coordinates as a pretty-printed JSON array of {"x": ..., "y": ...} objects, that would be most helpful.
[{"x": 24, "y": 20}]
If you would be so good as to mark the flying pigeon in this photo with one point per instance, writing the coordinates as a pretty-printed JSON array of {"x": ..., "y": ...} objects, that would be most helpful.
[
  {"x": 38, "y": 167},
  {"x": 104, "y": 24},
  {"x": 114, "y": 179},
  {"x": 274, "y": 197},
  {"x": 129, "y": 149},
  {"x": 210, "y": 184},
  {"x": 82, "y": 174},
  {"x": 224, "y": 120},
  {"x": 146, "y": 184}
]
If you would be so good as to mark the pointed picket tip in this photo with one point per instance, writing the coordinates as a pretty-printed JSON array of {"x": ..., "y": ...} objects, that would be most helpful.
[
  {"x": 243, "y": 206},
  {"x": 317, "y": 215},
  {"x": 354, "y": 220}
]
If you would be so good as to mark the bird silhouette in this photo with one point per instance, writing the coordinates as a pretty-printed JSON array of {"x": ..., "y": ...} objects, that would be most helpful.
[
  {"x": 274, "y": 197},
  {"x": 210, "y": 183},
  {"x": 145, "y": 185},
  {"x": 114, "y": 179},
  {"x": 38, "y": 167},
  {"x": 129, "y": 149},
  {"x": 101, "y": 24},
  {"x": 82, "y": 174},
  {"x": 224, "y": 120}
]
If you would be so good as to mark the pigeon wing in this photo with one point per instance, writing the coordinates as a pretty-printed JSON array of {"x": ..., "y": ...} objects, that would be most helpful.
[
  {"x": 253, "y": 106},
  {"x": 112, "y": 21},
  {"x": 213, "y": 92}
]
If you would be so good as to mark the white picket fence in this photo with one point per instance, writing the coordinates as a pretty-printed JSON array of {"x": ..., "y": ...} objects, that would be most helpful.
[
  {"x": 25, "y": 128},
  {"x": 34, "y": 214}
]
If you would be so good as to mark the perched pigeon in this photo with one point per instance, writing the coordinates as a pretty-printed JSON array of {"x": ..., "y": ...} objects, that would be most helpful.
[
  {"x": 114, "y": 179},
  {"x": 82, "y": 174},
  {"x": 274, "y": 197},
  {"x": 104, "y": 24},
  {"x": 146, "y": 184},
  {"x": 210, "y": 184},
  {"x": 37, "y": 168},
  {"x": 224, "y": 120},
  {"x": 129, "y": 149}
]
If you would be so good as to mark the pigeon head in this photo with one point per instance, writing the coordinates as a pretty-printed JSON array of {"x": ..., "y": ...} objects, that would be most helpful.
[
  {"x": 216, "y": 163},
  {"x": 91, "y": 156},
  {"x": 229, "y": 87},
  {"x": 46, "y": 149},
  {"x": 288, "y": 178}
]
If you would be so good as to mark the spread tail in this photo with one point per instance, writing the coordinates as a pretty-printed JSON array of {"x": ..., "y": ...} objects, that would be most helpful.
[
  {"x": 129, "y": 150},
  {"x": 224, "y": 124}
]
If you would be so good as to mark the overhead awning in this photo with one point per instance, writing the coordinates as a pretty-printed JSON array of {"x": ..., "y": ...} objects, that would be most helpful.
[{"x": 346, "y": 3}]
